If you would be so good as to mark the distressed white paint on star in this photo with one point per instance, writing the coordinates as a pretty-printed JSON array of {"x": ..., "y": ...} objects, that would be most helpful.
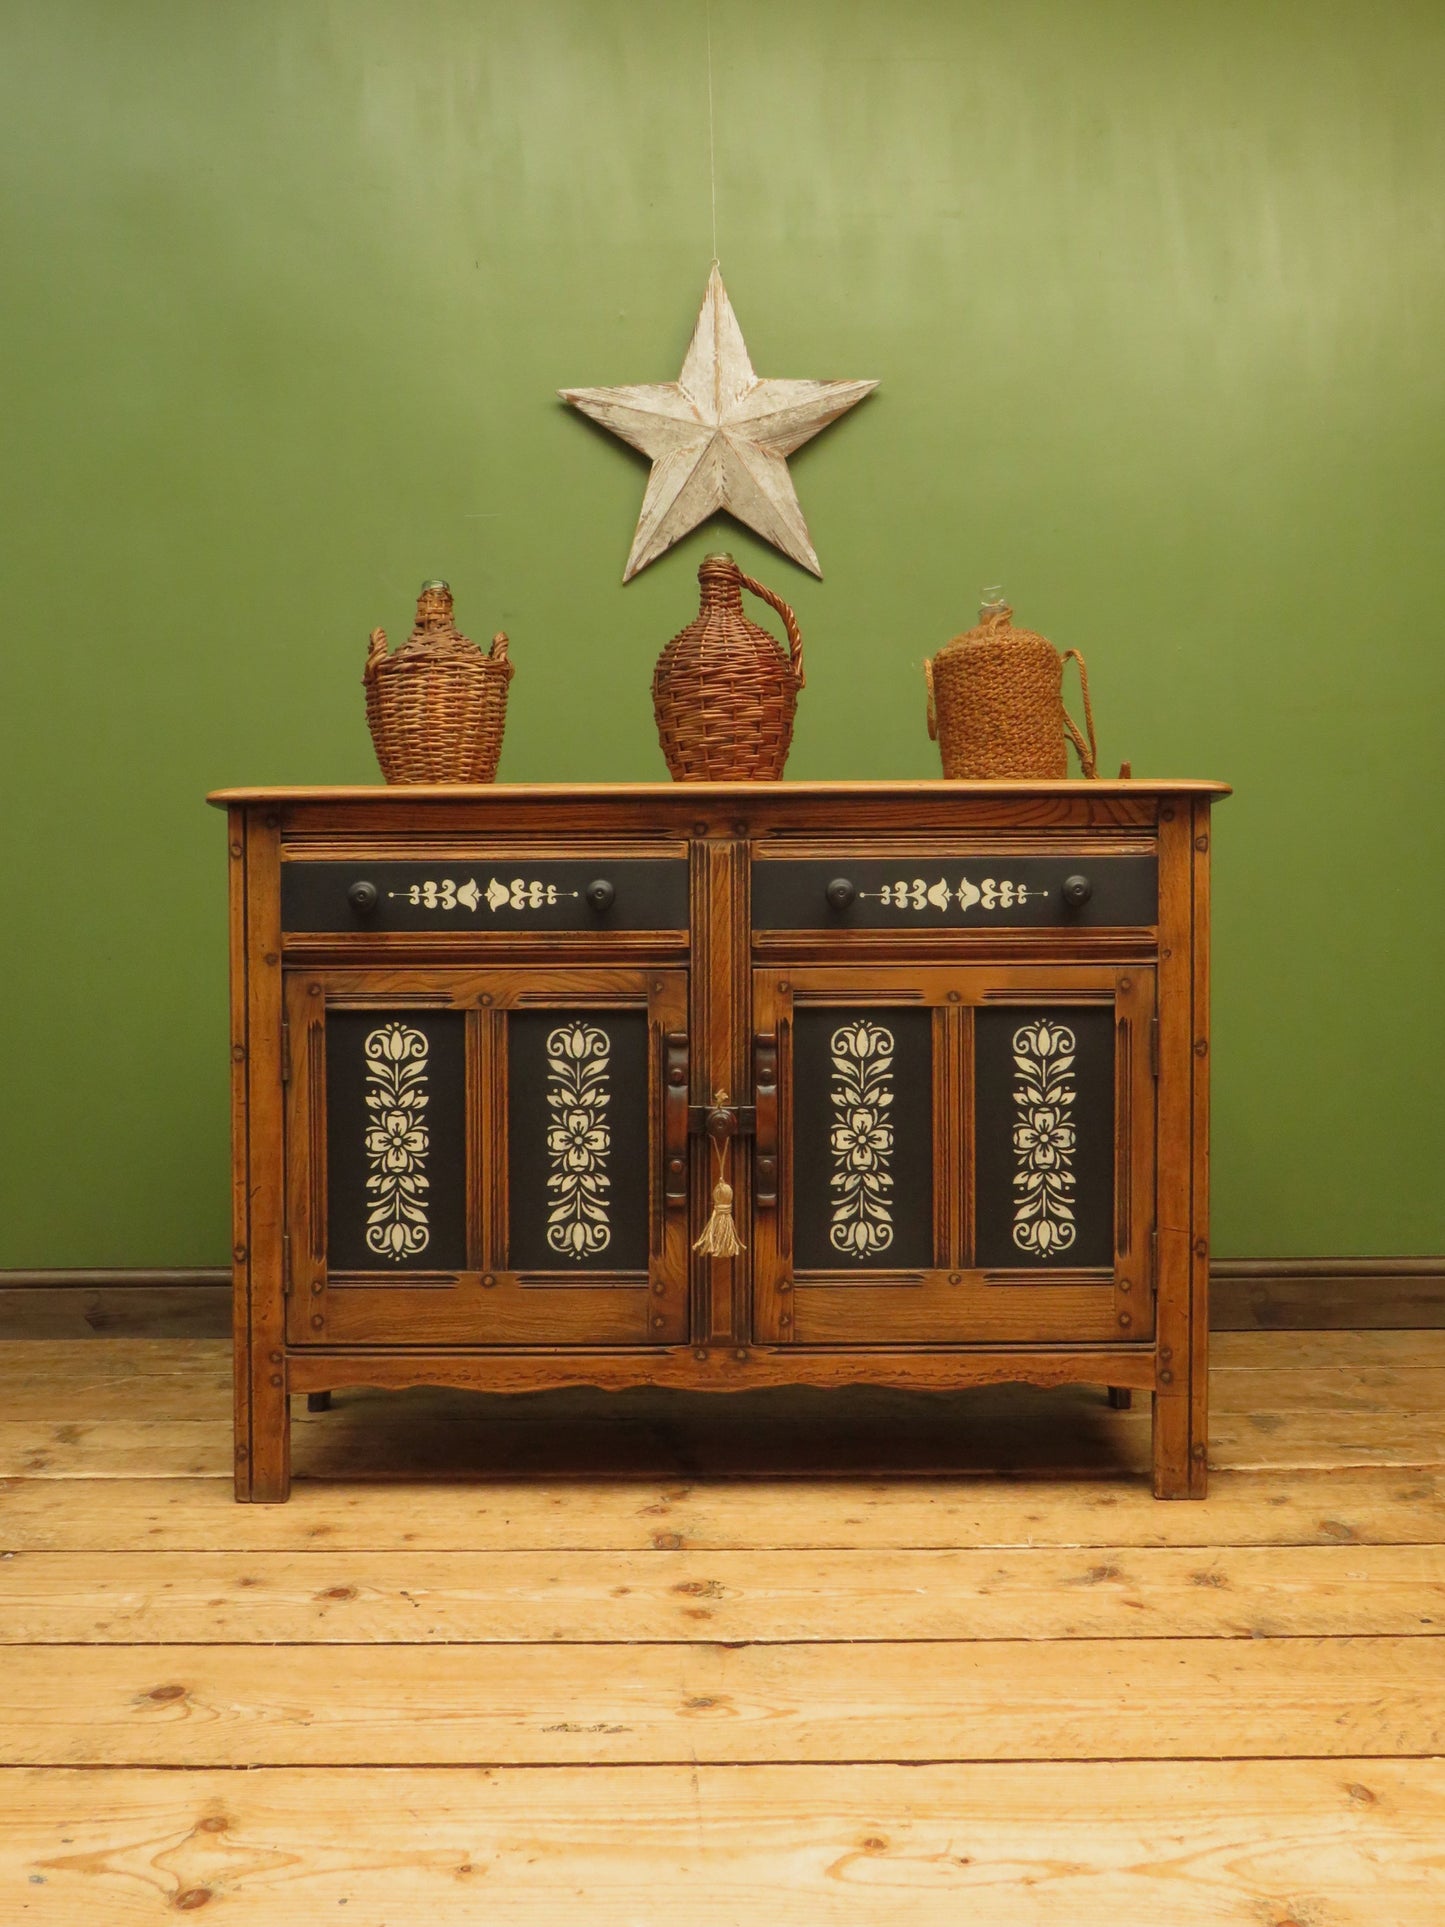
[{"x": 719, "y": 438}]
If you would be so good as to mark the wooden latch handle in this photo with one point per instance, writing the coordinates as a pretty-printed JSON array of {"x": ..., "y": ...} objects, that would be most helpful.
[
  {"x": 765, "y": 1098},
  {"x": 675, "y": 1077}
]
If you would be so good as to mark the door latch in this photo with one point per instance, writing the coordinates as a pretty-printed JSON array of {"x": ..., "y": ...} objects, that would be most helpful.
[
  {"x": 720, "y": 1119},
  {"x": 675, "y": 1074},
  {"x": 765, "y": 1126}
]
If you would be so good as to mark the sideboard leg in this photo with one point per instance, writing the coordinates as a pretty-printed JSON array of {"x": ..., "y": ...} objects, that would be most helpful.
[
  {"x": 1178, "y": 1471},
  {"x": 270, "y": 1440},
  {"x": 1120, "y": 1398}
]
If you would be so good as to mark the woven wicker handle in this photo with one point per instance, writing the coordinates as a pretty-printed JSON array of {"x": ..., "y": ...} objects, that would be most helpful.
[
  {"x": 932, "y": 702},
  {"x": 375, "y": 653},
  {"x": 1088, "y": 757},
  {"x": 790, "y": 623}
]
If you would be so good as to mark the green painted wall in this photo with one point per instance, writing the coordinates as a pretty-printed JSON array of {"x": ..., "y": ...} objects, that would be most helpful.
[{"x": 1156, "y": 294}]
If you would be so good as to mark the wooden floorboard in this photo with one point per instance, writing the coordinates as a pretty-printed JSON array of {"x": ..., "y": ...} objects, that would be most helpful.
[
  {"x": 1336, "y": 1843},
  {"x": 638, "y": 1704},
  {"x": 1371, "y": 1506},
  {"x": 327, "y": 1597},
  {"x": 614, "y": 1659}
]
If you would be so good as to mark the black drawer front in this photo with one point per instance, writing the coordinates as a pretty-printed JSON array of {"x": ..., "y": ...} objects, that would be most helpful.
[
  {"x": 960, "y": 893},
  {"x": 511, "y": 894}
]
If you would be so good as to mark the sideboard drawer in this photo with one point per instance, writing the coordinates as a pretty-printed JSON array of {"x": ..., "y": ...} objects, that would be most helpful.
[
  {"x": 596, "y": 894},
  {"x": 852, "y": 892}
]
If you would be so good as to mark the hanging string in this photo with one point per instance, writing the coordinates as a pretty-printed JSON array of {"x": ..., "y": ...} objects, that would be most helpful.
[
  {"x": 720, "y": 1234},
  {"x": 711, "y": 138}
]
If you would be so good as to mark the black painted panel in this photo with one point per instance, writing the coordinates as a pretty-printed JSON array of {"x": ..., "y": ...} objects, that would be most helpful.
[
  {"x": 1044, "y": 1137},
  {"x": 650, "y": 893},
  {"x": 396, "y": 1140},
  {"x": 578, "y": 1155},
  {"x": 863, "y": 1166},
  {"x": 954, "y": 893}
]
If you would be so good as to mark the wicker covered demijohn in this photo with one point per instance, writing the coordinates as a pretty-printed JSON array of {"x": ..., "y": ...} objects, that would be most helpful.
[
  {"x": 723, "y": 692},
  {"x": 996, "y": 703},
  {"x": 438, "y": 706}
]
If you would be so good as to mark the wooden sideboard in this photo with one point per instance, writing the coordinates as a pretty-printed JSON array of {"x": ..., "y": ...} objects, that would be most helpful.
[{"x": 492, "y": 1047}]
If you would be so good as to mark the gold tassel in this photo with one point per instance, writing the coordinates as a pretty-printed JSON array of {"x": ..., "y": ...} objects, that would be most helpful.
[{"x": 720, "y": 1234}]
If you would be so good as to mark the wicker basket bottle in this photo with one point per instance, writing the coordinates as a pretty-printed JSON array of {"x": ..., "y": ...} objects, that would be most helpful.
[
  {"x": 996, "y": 703},
  {"x": 438, "y": 706},
  {"x": 723, "y": 692}
]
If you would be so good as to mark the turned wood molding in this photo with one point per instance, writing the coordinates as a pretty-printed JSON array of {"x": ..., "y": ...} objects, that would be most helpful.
[{"x": 1247, "y": 1294}]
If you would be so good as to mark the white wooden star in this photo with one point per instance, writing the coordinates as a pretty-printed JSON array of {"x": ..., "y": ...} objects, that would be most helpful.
[{"x": 719, "y": 438}]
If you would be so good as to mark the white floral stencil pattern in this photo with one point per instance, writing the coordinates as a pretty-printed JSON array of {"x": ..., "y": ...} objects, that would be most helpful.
[
  {"x": 1044, "y": 1137},
  {"x": 579, "y": 1140},
  {"x": 396, "y": 1141},
  {"x": 861, "y": 1139}
]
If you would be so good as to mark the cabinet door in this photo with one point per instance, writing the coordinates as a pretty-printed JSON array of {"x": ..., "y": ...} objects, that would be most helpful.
[
  {"x": 476, "y": 1157},
  {"x": 960, "y": 1153}
]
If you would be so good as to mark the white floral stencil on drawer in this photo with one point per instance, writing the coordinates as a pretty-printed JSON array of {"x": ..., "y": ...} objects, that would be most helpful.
[
  {"x": 396, "y": 1141},
  {"x": 861, "y": 1139},
  {"x": 1044, "y": 1137},
  {"x": 579, "y": 1139}
]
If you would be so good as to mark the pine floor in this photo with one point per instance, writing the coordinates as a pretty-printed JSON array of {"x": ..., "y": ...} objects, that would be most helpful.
[{"x": 782, "y": 1660}]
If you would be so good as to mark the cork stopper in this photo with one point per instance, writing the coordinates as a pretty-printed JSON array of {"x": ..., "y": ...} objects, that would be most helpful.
[
  {"x": 721, "y": 580},
  {"x": 434, "y": 606}
]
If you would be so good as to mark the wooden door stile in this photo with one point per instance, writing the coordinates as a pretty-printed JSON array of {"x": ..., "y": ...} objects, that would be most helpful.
[
  {"x": 1177, "y": 1471},
  {"x": 268, "y": 1456},
  {"x": 1199, "y": 1239},
  {"x": 237, "y": 824}
]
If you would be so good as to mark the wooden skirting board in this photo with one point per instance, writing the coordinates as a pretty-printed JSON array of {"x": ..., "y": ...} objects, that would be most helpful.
[{"x": 1247, "y": 1294}]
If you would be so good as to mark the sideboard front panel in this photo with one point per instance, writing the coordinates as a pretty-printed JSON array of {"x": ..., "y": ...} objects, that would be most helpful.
[
  {"x": 1042, "y": 1136},
  {"x": 486, "y": 894},
  {"x": 862, "y": 1138},
  {"x": 396, "y": 1146},
  {"x": 965, "y": 1153},
  {"x": 577, "y": 1141},
  {"x": 942, "y": 890},
  {"x": 475, "y": 1158}
]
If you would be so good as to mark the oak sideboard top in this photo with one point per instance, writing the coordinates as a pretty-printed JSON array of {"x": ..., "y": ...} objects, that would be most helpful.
[{"x": 932, "y": 788}]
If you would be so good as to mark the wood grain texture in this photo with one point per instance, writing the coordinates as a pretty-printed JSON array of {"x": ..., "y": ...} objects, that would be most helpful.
[
  {"x": 1223, "y": 1713},
  {"x": 331, "y": 1597},
  {"x": 1180, "y": 1458},
  {"x": 1339, "y": 1843},
  {"x": 118, "y": 1514},
  {"x": 729, "y": 796},
  {"x": 385, "y": 1436},
  {"x": 262, "y": 1441},
  {"x": 140, "y": 1308},
  {"x": 239, "y": 993},
  {"x": 1254, "y": 1294},
  {"x": 132, "y": 1410},
  {"x": 636, "y": 1704},
  {"x": 574, "y": 1337},
  {"x": 187, "y": 1378},
  {"x": 1199, "y": 1233},
  {"x": 1327, "y": 1294}
]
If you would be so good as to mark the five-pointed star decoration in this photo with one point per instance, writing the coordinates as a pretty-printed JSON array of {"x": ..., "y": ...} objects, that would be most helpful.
[{"x": 718, "y": 438}]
